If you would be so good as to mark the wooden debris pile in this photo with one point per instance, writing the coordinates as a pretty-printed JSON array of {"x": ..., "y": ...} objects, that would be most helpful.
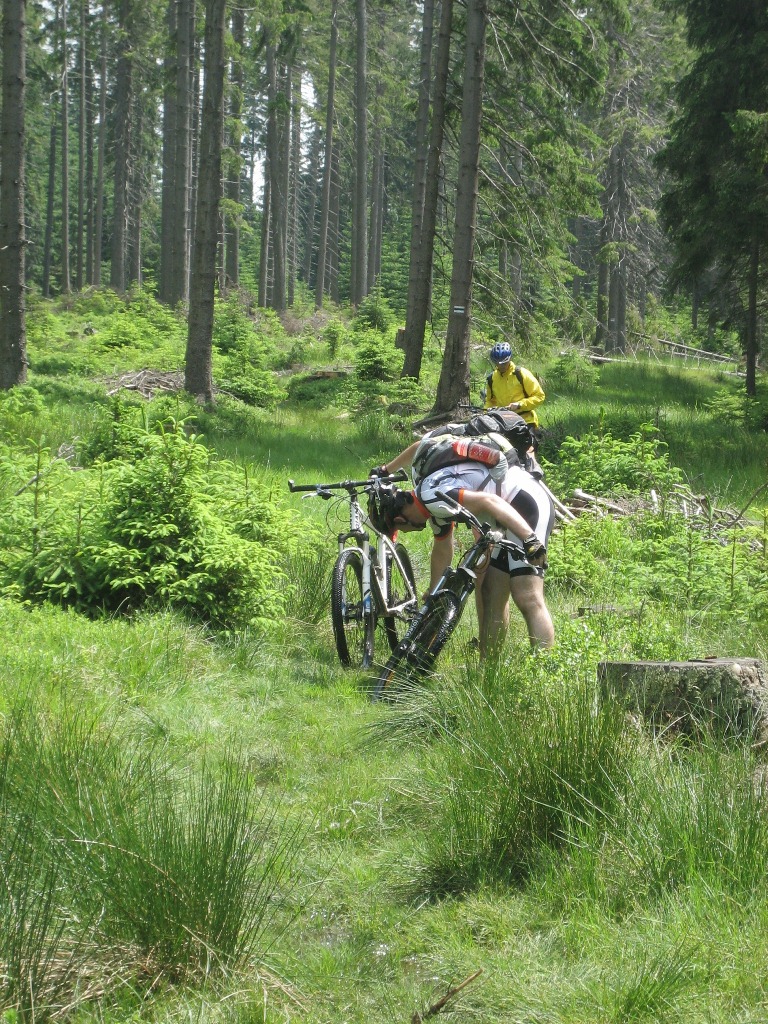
[
  {"x": 146, "y": 382},
  {"x": 698, "y": 509}
]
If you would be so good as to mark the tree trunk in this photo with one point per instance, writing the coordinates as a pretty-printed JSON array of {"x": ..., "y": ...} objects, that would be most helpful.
[
  {"x": 235, "y": 160},
  {"x": 198, "y": 379},
  {"x": 753, "y": 345},
  {"x": 621, "y": 306},
  {"x": 453, "y": 386},
  {"x": 334, "y": 229},
  {"x": 266, "y": 214},
  {"x": 325, "y": 201},
  {"x": 311, "y": 206},
  {"x": 177, "y": 156},
  {"x": 98, "y": 216},
  {"x": 613, "y": 307},
  {"x": 83, "y": 113},
  {"x": 277, "y": 196},
  {"x": 194, "y": 157},
  {"x": 136, "y": 196},
  {"x": 294, "y": 182},
  {"x": 422, "y": 126},
  {"x": 13, "y": 333},
  {"x": 89, "y": 152},
  {"x": 422, "y": 254},
  {"x": 359, "y": 269},
  {"x": 603, "y": 275},
  {"x": 48, "y": 245},
  {"x": 66, "y": 283},
  {"x": 123, "y": 108},
  {"x": 170, "y": 110},
  {"x": 377, "y": 202}
]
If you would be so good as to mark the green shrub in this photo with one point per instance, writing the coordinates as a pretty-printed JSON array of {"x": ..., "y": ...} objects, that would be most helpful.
[
  {"x": 374, "y": 314},
  {"x": 572, "y": 372},
  {"x": 233, "y": 329},
  {"x": 334, "y": 335},
  {"x": 162, "y": 525},
  {"x": 250, "y": 384},
  {"x": 315, "y": 392},
  {"x": 601, "y": 464}
]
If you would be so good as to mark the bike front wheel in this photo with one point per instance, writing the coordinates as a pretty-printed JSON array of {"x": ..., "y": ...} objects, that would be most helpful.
[
  {"x": 353, "y": 623},
  {"x": 399, "y": 586},
  {"x": 417, "y": 652}
]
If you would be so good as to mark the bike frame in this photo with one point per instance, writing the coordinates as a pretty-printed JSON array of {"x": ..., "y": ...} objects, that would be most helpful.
[
  {"x": 375, "y": 581},
  {"x": 462, "y": 580}
]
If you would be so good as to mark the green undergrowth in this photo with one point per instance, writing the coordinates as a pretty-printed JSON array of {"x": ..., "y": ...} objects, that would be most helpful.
[{"x": 205, "y": 818}]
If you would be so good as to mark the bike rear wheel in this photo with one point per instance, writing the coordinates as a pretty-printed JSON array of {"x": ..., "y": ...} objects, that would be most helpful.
[
  {"x": 416, "y": 654},
  {"x": 398, "y": 590},
  {"x": 353, "y": 624}
]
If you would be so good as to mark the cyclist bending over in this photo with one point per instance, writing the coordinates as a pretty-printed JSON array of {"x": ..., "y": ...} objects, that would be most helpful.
[{"x": 516, "y": 504}]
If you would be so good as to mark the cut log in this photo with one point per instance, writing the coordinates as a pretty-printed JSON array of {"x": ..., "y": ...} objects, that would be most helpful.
[{"x": 727, "y": 696}]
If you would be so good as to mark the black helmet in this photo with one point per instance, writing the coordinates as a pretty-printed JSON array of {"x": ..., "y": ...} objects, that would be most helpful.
[{"x": 385, "y": 503}]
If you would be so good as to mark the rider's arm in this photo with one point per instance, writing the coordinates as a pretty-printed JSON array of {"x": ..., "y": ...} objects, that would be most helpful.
[
  {"x": 534, "y": 393},
  {"x": 440, "y": 559},
  {"x": 484, "y": 505},
  {"x": 403, "y": 460}
]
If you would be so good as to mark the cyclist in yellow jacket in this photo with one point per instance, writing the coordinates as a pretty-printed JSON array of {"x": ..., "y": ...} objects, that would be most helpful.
[{"x": 512, "y": 387}]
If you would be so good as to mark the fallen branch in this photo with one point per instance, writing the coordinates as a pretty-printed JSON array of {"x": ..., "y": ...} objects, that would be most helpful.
[
  {"x": 592, "y": 499},
  {"x": 735, "y": 518},
  {"x": 417, "y": 1018}
]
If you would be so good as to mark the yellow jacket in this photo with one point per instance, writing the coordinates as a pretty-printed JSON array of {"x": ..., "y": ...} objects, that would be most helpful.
[{"x": 516, "y": 385}]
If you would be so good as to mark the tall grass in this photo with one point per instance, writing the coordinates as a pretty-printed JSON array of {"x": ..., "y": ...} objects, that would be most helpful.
[
  {"x": 513, "y": 774},
  {"x": 119, "y": 863}
]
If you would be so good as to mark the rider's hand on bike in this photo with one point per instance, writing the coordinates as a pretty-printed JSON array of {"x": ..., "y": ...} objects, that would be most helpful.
[
  {"x": 535, "y": 551},
  {"x": 378, "y": 471}
]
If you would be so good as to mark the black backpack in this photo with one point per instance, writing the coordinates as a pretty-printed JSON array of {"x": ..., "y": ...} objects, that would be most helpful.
[
  {"x": 509, "y": 424},
  {"x": 437, "y": 450}
]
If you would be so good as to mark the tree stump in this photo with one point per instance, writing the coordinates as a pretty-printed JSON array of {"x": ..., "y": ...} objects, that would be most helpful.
[{"x": 727, "y": 696}]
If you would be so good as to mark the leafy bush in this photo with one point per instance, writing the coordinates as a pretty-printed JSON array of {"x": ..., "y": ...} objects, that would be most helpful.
[
  {"x": 374, "y": 314},
  {"x": 250, "y": 384},
  {"x": 315, "y": 392},
  {"x": 601, "y": 464},
  {"x": 739, "y": 408},
  {"x": 164, "y": 525},
  {"x": 572, "y": 372},
  {"x": 656, "y": 559},
  {"x": 376, "y": 358},
  {"x": 233, "y": 329},
  {"x": 334, "y": 334}
]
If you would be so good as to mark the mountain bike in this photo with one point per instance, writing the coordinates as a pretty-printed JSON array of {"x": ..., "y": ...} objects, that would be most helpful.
[
  {"x": 433, "y": 624},
  {"x": 372, "y": 583}
]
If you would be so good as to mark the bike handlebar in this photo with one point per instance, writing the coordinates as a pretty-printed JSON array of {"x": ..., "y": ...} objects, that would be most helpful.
[{"x": 348, "y": 485}]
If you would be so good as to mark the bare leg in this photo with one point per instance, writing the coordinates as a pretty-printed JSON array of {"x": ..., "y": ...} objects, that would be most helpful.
[
  {"x": 492, "y": 600},
  {"x": 528, "y": 595}
]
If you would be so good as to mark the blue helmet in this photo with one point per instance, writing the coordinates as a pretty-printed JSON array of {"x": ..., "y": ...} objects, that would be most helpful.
[{"x": 501, "y": 352}]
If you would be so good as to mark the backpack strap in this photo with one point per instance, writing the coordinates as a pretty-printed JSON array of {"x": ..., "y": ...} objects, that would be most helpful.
[
  {"x": 489, "y": 383},
  {"x": 521, "y": 382}
]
